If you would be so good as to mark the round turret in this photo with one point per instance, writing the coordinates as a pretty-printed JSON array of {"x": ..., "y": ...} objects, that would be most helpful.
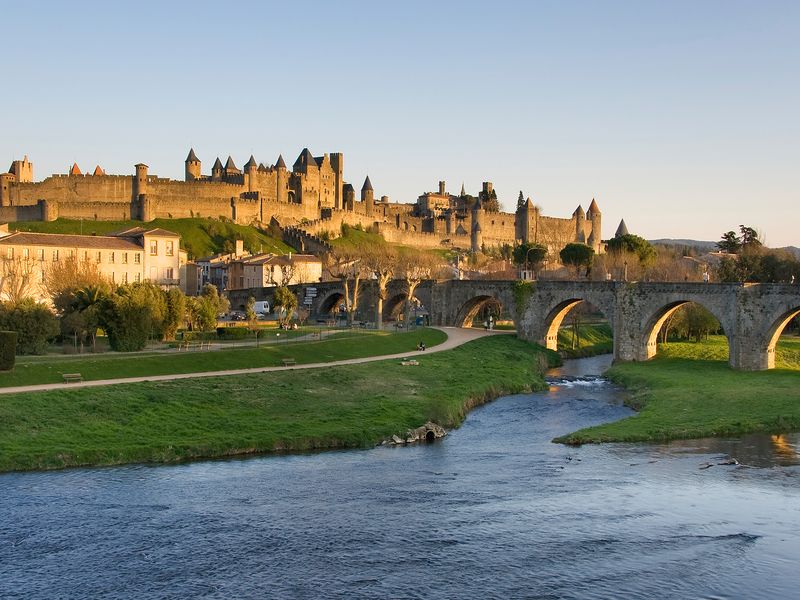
[
  {"x": 140, "y": 181},
  {"x": 192, "y": 166}
]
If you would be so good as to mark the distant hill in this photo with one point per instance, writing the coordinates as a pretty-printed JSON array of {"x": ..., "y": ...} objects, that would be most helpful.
[
  {"x": 794, "y": 250},
  {"x": 199, "y": 237},
  {"x": 700, "y": 245}
]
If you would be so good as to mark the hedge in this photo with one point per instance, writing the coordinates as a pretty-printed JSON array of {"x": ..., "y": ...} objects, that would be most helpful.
[{"x": 8, "y": 350}]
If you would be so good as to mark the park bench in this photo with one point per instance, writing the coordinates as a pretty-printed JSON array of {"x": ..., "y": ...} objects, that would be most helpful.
[
  {"x": 72, "y": 377},
  {"x": 289, "y": 362},
  {"x": 410, "y": 362}
]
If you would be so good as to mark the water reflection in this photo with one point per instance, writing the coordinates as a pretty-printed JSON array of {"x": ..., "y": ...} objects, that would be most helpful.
[{"x": 753, "y": 450}]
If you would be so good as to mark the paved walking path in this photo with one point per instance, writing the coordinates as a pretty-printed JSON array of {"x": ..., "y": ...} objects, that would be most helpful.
[{"x": 455, "y": 337}]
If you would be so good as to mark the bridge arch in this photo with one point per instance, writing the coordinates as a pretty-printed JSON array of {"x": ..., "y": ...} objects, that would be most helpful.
[
  {"x": 648, "y": 345},
  {"x": 393, "y": 306},
  {"x": 769, "y": 341},
  {"x": 469, "y": 310},
  {"x": 554, "y": 318},
  {"x": 330, "y": 302}
]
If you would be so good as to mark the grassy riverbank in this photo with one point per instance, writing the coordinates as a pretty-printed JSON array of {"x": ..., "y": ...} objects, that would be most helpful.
[
  {"x": 336, "y": 407},
  {"x": 679, "y": 396},
  {"x": 355, "y": 344}
]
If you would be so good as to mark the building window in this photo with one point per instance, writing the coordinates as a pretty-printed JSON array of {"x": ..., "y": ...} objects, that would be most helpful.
[
  {"x": 55, "y": 255},
  {"x": 137, "y": 258},
  {"x": 125, "y": 277},
  {"x": 86, "y": 255},
  {"x": 153, "y": 247},
  {"x": 169, "y": 250},
  {"x": 137, "y": 277},
  {"x": 10, "y": 252},
  {"x": 99, "y": 257},
  {"x": 169, "y": 272},
  {"x": 111, "y": 257},
  {"x": 41, "y": 253},
  {"x": 26, "y": 253},
  {"x": 124, "y": 258},
  {"x": 113, "y": 277},
  {"x": 70, "y": 253}
]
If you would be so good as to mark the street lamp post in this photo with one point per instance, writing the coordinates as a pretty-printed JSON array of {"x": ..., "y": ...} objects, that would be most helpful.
[{"x": 527, "y": 270}]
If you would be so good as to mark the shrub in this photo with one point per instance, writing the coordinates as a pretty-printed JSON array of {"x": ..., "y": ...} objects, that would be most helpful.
[
  {"x": 232, "y": 333},
  {"x": 8, "y": 350},
  {"x": 35, "y": 325}
]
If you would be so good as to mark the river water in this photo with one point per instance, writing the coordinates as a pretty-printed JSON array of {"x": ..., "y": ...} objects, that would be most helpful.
[{"x": 494, "y": 510}]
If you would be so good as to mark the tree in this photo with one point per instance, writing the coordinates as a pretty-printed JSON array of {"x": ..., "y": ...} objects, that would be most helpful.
[
  {"x": 17, "y": 278},
  {"x": 415, "y": 267},
  {"x": 204, "y": 310},
  {"x": 489, "y": 201},
  {"x": 520, "y": 200},
  {"x": 35, "y": 324},
  {"x": 634, "y": 244},
  {"x": 83, "y": 317},
  {"x": 730, "y": 243},
  {"x": 750, "y": 237},
  {"x": 175, "y": 313},
  {"x": 347, "y": 265},
  {"x": 251, "y": 316},
  {"x": 63, "y": 278},
  {"x": 287, "y": 301},
  {"x": 284, "y": 273},
  {"x": 132, "y": 315},
  {"x": 382, "y": 261},
  {"x": 530, "y": 254},
  {"x": 577, "y": 256}
]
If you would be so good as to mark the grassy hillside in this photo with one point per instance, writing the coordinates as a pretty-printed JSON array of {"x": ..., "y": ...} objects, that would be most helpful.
[{"x": 199, "y": 237}]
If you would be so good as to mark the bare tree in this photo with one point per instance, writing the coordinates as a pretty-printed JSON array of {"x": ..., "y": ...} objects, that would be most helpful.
[
  {"x": 285, "y": 272},
  {"x": 349, "y": 267},
  {"x": 382, "y": 262},
  {"x": 63, "y": 278},
  {"x": 414, "y": 268},
  {"x": 17, "y": 278}
]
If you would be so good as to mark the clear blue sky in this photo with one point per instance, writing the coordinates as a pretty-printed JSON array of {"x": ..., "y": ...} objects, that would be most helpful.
[{"x": 681, "y": 117}]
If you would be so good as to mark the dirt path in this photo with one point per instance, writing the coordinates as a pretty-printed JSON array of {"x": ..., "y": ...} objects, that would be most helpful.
[{"x": 455, "y": 337}]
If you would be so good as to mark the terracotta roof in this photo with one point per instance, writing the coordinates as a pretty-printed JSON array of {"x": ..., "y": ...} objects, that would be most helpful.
[
  {"x": 74, "y": 170},
  {"x": 27, "y": 238},
  {"x": 98, "y": 171},
  {"x": 579, "y": 211},
  {"x": 593, "y": 208}
]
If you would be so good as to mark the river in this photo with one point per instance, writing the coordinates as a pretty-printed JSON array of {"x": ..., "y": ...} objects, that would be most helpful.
[{"x": 494, "y": 510}]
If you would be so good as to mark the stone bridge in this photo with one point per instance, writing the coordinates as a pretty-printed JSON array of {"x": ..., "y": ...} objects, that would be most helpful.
[{"x": 752, "y": 315}]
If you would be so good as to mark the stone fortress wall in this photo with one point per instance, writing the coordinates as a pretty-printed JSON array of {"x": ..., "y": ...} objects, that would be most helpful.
[{"x": 313, "y": 197}]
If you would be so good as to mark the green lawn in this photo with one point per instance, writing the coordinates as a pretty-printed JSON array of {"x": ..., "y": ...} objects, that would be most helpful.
[
  {"x": 336, "y": 407},
  {"x": 682, "y": 394},
  {"x": 199, "y": 237},
  {"x": 787, "y": 354},
  {"x": 593, "y": 339},
  {"x": 355, "y": 344}
]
